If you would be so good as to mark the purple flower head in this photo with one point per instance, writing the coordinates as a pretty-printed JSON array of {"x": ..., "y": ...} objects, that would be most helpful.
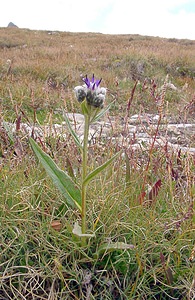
[
  {"x": 93, "y": 84},
  {"x": 92, "y": 92}
]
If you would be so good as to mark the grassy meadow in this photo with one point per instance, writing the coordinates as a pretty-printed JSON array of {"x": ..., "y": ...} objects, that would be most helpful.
[{"x": 40, "y": 257}]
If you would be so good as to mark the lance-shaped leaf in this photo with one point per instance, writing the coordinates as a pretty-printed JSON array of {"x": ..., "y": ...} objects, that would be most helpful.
[
  {"x": 91, "y": 175},
  {"x": 110, "y": 247},
  {"x": 85, "y": 108},
  {"x": 72, "y": 132},
  {"x": 101, "y": 113},
  {"x": 61, "y": 180}
]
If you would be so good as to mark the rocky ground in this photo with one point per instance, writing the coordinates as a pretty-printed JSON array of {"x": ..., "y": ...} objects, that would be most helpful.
[{"x": 137, "y": 130}]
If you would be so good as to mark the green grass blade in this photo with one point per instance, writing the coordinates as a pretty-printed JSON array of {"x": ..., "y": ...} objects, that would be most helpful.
[
  {"x": 61, "y": 180},
  {"x": 72, "y": 132},
  {"x": 91, "y": 175},
  {"x": 128, "y": 175}
]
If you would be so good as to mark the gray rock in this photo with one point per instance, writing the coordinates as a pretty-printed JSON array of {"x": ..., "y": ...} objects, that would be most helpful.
[{"x": 12, "y": 25}]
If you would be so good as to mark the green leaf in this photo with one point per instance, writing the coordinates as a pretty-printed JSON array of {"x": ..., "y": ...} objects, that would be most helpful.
[
  {"x": 128, "y": 175},
  {"x": 61, "y": 180},
  {"x": 91, "y": 175},
  {"x": 110, "y": 247},
  {"x": 84, "y": 108},
  {"x": 101, "y": 113},
  {"x": 72, "y": 132}
]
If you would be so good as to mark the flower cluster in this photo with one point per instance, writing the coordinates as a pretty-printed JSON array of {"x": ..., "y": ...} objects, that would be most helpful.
[{"x": 92, "y": 92}]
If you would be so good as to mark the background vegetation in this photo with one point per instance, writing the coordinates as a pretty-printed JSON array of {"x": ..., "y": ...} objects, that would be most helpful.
[{"x": 40, "y": 258}]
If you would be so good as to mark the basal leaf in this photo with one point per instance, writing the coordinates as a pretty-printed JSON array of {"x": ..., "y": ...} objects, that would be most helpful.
[
  {"x": 61, "y": 180},
  {"x": 110, "y": 247}
]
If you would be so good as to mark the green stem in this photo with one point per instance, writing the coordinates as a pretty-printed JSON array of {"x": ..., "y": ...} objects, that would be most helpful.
[{"x": 84, "y": 173}]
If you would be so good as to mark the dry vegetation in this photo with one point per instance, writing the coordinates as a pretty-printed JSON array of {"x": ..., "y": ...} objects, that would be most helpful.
[
  {"x": 31, "y": 58},
  {"x": 40, "y": 258}
]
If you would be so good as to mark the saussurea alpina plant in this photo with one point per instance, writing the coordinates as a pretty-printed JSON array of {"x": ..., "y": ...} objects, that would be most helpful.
[{"x": 92, "y": 98}]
